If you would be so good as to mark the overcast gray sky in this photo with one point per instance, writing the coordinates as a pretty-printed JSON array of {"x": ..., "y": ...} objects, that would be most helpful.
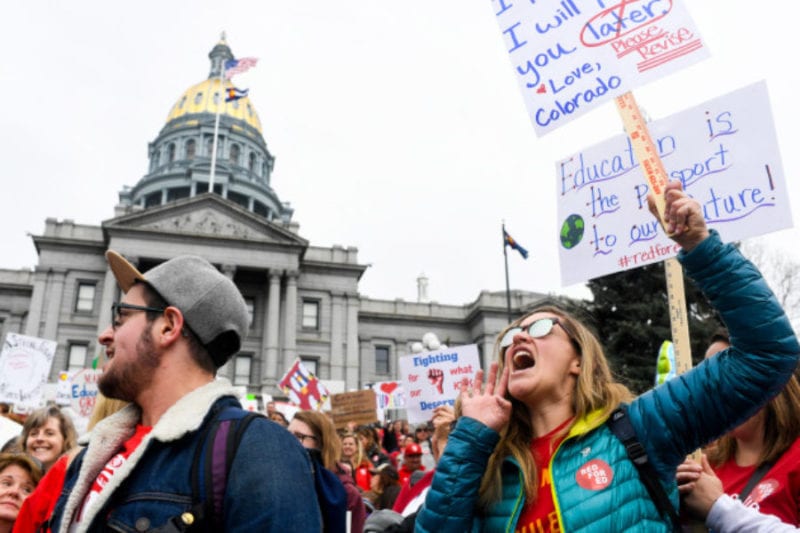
[{"x": 397, "y": 127}]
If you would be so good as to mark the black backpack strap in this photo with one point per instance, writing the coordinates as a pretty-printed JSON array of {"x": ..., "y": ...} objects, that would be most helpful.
[
  {"x": 621, "y": 426},
  {"x": 757, "y": 475}
]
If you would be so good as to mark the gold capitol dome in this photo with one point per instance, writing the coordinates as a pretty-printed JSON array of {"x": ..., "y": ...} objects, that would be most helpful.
[{"x": 206, "y": 97}]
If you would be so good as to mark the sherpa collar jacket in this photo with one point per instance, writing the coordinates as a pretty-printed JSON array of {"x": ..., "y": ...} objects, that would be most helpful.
[{"x": 154, "y": 485}]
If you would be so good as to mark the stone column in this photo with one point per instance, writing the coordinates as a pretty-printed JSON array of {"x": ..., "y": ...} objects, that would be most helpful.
[
  {"x": 270, "y": 338},
  {"x": 108, "y": 297},
  {"x": 226, "y": 370},
  {"x": 352, "y": 379},
  {"x": 37, "y": 303},
  {"x": 55, "y": 295},
  {"x": 290, "y": 321},
  {"x": 338, "y": 333}
]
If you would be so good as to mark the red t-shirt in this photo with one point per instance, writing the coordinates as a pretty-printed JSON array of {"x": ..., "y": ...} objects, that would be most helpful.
[
  {"x": 541, "y": 516},
  {"x": 778, "y": 492}
]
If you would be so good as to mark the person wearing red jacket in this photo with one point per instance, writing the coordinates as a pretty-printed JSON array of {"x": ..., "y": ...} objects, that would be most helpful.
[{"x": 412, "y": 461}]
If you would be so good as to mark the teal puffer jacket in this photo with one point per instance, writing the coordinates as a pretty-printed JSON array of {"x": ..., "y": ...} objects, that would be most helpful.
[{"x": 670, "y": 421}]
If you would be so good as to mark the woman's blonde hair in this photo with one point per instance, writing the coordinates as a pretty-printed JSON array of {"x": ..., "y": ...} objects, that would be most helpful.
[
  {"x": 358, "y": 458},
  {"x": 104, "y": 407},
  {"x": 595, "y": 390},
  {"x": 325, "y": 432}
]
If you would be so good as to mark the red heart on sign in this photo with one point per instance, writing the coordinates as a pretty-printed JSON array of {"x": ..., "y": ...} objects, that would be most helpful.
[
  {"x": 388, "y": 387},
  {"x": 541, "y": 89}
]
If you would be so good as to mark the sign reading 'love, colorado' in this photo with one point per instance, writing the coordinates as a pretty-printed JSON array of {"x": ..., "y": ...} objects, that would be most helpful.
[{"x": 570, "y": 55}]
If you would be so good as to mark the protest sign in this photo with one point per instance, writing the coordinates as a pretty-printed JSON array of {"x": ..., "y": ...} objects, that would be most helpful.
[
  {"x": 434, "y": 378},
  {"x": 24, "y": 365},
  {"x": 724, "y": 151},
  {"x": 390, "y": 395},
  {"x": 568, "y": 56},
  {"x": 303, "y": 387},
  {"x": 8, "y": 430},
  {"x": 357, "y": 407},
  {"x": 83, "y": 391}
]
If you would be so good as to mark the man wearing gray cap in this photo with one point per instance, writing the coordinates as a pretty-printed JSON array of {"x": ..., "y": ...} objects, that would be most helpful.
[{"x": 175, "y": 326}]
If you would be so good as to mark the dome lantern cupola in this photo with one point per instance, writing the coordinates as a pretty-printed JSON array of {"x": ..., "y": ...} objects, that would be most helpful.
[
  {"x": 218, "y": 56},
  {"x": 180, "y": 157}
]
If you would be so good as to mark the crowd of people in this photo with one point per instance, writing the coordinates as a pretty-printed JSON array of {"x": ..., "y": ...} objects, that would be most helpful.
[{"x": 550, "y": 442}]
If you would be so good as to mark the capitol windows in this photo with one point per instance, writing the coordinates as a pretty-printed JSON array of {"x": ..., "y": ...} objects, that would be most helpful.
[
  {"x": 239, "y": 198},
  {"x": 177, "y": 193},
  {"x": 183, "y": 102},
  {"x": 198, "y": 98},
  {"x": 152, "y": 199},
  {"x": 84, "y": 297},
  {"x": 242, "y": 366},
  {"x": 382, "y": 352},
  {"x": 260, "y": 209},
  {"x": 190, "y": 149},
  {"x": 208, "y": 142},
  {"x": 76, "y": 356},
  {"x": 311, "y": 364},
  {"x": 234, "y": 154},
  {"x": 171, "y": 152},
  {"x": 310, "y": 314}
]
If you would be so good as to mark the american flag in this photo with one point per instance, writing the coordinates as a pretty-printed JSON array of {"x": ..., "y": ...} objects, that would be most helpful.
[{"x": 237, "y": 66}]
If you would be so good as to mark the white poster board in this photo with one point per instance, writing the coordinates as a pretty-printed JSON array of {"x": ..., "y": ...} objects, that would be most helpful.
[
  {"x": 434, "y": 378},
  {"x": 725, "y": 152},
  {"x": 569, "y": 56},
  {"x": 83, "y": 391},
  {"x": 24, "y": 365}
]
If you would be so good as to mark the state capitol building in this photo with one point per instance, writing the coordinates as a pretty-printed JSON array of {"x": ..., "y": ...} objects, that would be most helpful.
[{"x": 304, "y": 300}]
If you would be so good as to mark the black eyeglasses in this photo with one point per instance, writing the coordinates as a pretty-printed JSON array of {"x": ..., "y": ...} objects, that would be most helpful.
[
  {"x": 119, "y": 306},
  {"x": 536, "y": 329},
  {"x": 302, "y": 436}
]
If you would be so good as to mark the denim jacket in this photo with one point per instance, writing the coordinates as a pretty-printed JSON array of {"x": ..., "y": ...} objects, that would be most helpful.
[{"x": 270, "y": 486}]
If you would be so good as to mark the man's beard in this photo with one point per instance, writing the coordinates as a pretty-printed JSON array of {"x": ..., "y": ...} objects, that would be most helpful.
[{"x": 126, "y": 381}]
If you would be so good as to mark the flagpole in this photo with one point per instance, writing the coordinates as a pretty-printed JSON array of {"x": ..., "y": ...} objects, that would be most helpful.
[
  {"x": 505, "y": 258},
  {"x": 216, "y": 128}
]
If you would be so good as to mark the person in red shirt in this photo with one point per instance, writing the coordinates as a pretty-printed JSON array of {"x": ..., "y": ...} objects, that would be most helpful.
[
  {"x": 412, "y": 461},
  {"x": 762, "y": 454}
]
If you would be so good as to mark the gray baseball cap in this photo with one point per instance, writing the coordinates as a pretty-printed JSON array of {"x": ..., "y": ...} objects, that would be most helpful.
[{"x": 211, "y": 305}]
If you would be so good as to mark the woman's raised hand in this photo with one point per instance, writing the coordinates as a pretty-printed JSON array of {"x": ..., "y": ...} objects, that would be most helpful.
[{"x": 488, "y": 404}]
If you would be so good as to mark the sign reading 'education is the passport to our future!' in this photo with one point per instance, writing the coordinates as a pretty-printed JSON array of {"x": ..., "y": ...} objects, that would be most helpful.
[{"x": 570, "y": 55}]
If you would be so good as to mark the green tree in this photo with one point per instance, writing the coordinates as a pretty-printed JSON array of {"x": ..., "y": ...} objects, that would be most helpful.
[{"x": 630, "y": 312}]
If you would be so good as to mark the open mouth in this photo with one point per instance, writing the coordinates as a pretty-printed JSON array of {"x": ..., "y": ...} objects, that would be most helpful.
[{"x": 523, "y": 360}]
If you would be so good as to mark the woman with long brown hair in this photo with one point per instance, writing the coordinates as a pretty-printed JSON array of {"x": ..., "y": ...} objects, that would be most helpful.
[{"x": 533, "y": 450}]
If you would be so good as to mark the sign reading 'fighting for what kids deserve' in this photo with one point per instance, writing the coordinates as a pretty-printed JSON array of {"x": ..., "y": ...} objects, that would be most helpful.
[
  {"x": 724, "y": 152},
  {"x": 570, "y": 55},
  {"x": 434, "y": 378}
]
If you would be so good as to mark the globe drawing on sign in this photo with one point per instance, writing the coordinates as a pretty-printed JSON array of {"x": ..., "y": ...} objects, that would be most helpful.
[{"x": 572, "y": 231}]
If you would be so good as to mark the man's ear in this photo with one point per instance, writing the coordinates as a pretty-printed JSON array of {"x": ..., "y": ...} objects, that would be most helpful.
[{"x": 172, "y": 326}]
